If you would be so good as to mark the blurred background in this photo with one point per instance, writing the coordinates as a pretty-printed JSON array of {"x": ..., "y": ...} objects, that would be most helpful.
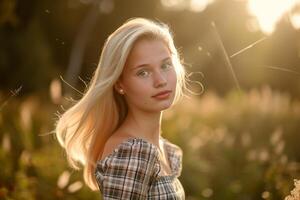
[{"x": 240, "y": 135}]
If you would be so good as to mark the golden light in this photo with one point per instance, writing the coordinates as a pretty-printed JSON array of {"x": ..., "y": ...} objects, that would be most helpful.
[
  {"x": 55, "y": 91},
  {"x": 269, "y": 12},
  {"x": 74, "y": 187},
  {"x": 27, "y": 108},
  {"x": 192, "y": 5},
  {"x": 6, "y": 143},
  {"x": 173, "y": 4},
  {"x": 63, "y": 179},
  {"x": 199, "y": 5},
  {"x": 295, "y": 20}
]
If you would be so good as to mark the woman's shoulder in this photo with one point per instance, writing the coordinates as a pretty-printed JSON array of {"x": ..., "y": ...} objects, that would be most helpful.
[
  {"x": 133, "y": 160},
  {"x": 136, "y": 156},
  {"x": 134, "y": 151},
  {"x": 134, "y": 146},
  {"x": 175, "y": 154},
  {"x": 174, "y": 148},
  {"x": 128, "y": 149}
]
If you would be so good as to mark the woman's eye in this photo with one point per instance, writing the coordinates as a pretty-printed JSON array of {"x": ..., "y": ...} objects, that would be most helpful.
[
  {"x": 167, "y": 65},
  {"x": 142, "y": 73}
]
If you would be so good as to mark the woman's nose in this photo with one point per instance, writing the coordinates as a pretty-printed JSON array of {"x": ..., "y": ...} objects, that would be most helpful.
[{"x": 159, "y": 79}]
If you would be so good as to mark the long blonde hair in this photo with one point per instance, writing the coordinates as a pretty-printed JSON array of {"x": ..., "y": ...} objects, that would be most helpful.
[{"x": 84, "y": 128}]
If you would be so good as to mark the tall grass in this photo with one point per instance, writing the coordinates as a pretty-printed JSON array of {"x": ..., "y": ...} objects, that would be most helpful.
[{"x": 241, "y": 146}]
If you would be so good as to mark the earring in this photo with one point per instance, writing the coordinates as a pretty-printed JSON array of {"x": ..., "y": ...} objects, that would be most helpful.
[{"x": 121, "y": 91}]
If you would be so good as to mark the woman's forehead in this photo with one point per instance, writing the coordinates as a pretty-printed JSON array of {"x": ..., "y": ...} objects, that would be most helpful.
[{"x": 147, "y": 51}]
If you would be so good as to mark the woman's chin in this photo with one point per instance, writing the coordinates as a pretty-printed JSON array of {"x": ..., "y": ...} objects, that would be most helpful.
[{"x": 164, "y": 106}]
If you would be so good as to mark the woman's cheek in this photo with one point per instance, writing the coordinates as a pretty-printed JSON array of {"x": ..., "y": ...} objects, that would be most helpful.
[
  {"x": 173, "y": 79},
  {"x": 138, "y": 89}
]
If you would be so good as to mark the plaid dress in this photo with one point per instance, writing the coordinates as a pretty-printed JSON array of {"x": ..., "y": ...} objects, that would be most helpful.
[{"x": 133, "y": 171}]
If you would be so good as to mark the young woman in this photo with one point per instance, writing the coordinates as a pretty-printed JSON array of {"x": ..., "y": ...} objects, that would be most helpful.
[{"x": 114, "y": 130}]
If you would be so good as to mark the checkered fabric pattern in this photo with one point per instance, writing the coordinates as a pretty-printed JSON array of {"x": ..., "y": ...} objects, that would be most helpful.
[{"x": 133, "y": 171}]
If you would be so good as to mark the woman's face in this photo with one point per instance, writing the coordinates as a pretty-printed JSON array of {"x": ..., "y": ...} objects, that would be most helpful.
[{"x": 148, "y": 70}]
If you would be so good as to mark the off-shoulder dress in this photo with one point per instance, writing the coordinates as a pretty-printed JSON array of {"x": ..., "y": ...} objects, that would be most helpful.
[{"x": 133, "y": 171}]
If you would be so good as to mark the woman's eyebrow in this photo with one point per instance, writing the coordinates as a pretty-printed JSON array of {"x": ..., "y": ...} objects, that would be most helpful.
[{"x": 144, "y": 65}]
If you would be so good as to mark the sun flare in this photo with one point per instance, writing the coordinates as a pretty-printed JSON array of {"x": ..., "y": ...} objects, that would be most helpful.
[{"x": 269, "y": 12}]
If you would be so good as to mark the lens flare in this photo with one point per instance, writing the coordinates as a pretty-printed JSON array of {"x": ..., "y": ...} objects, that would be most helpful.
[{"x": 269, "y": 12}]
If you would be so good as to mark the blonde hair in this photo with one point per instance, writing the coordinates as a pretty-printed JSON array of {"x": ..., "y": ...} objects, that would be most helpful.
[{"x": 85, "y": 127}]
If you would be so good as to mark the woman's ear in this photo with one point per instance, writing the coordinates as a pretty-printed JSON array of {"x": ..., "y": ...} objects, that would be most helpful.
[{"x": 118, "y": 87}]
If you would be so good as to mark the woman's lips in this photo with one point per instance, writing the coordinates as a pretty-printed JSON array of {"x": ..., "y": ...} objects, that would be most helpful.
[{"x": 162, "y": 95}]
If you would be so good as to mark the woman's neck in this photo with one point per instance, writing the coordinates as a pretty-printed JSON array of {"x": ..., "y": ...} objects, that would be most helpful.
[{"x": 146, "y": 126}]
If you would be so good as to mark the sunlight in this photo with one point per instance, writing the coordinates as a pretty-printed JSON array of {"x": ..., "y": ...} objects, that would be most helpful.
[
  {"x": 192, "y": 5},
  {"x": 269, "y": 12},
  {"x": 199, "y": 5},
  {"x": 295, "y": 20},
  {"x": 173, "y": 4}
]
